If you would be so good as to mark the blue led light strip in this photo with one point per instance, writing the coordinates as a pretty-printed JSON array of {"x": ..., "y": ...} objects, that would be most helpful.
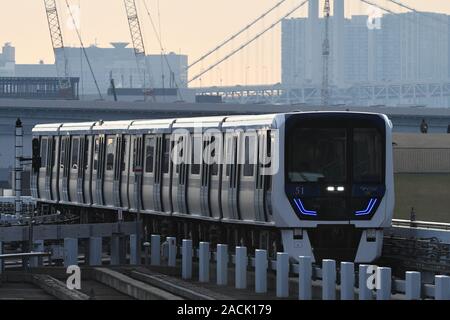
[
  {"x": 302, "y": 209},
  {"x": 369, "y": 208}
]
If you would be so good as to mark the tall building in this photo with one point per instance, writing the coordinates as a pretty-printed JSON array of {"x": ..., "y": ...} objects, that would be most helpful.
[
  {"x": 7, "y": 60},
  {"x": 404, "y": 47}
]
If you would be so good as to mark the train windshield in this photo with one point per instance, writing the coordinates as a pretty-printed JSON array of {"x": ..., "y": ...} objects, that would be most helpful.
[
  {"x": 335, "y": 155},
  {"x": 318, "y": 155}
]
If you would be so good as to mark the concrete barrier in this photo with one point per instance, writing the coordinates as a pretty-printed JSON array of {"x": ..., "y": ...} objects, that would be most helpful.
[
  {"x": 304, "y": 278},
  {"x": 364, "y": 292},
  {"x": 282, "y": 275},
  {"x": 329, "y": 279},
  {"x": 204, "y": 262},
  {"x": 413, "y": 285},
  {"x": 172, "y": 251},
  {"x": 186, "y": 259},
  {"x": 347, "y": 281},
  {"x": 222, "y": 264},
  {"x": 384, "y": 276},
  {"x": 261, "y": 271},
  {"x": 241, "y": 268},
  {"x": 442, "y": 287}
]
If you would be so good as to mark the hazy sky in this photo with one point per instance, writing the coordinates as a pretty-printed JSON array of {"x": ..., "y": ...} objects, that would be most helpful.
[{"x": 188, "y": 26}]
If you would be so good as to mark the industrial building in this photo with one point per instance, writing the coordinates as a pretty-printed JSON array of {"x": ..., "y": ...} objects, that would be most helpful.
[{"x": 117, "y": 62}]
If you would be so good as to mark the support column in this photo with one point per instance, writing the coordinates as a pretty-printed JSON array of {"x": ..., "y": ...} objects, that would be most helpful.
[
  {"x": 329, "y": 280},
  {"x": 135, "y": 247},
  {"x": 70, "y": 252},
  {"x": 413, "y": 285},
  {"x": 95, "y": 251},
  {"x": 155, "y": 244},
  {"x": 282, "y": 275},
  {"x": 347, "y": 281},
  {"x": 172, "y": 254},
  {"x": 204, "y": 262},
  {"x": 241, "y": 268},
  {"x": 304, "y": 278},
  {"x": 186, "y": 259},
  {"x": 384, "y": 276},
  {"x": 222, "y": 264}
]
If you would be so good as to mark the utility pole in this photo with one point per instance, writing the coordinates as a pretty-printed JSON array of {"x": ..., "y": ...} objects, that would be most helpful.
[{"x": 326, "y": 56}]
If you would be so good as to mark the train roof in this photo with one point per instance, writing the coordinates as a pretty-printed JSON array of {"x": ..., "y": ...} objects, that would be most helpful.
[{"x": 163, "y": 125}]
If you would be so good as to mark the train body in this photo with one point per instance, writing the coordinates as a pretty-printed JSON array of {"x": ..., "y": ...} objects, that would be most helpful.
[{"x": 321, "y": 181}]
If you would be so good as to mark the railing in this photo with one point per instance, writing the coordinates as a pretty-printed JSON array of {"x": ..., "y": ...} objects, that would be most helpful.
[{"x": 421, "y": 224}]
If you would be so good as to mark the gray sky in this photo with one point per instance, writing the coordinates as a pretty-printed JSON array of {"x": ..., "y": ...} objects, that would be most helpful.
[{"x": 188, "y": 26}]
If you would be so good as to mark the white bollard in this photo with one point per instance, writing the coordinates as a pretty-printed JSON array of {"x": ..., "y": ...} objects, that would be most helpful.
[
  {"x": 282, "y": 275},
  {"x": 186, "y": 259},
  {"x": 365, "y": 293},
  {"x": 204, "y": 262},
  {"x": 155, "y": 243},
  {"x": 241, "y": 268},
  {"x": 222, "y": 264},
  {"x": 38, "y": 246},
  {"x": 442, "y": 288},
  {"x": 385, "y": 283},
  {"x": 413, "y": 285},
  {"x": 328, "y": 279},
  {"x": 70, "y": 252},
  {"x": 304, "y": 278},
  {"x": 261, "y": 271},
  {"x": 95, "y": 251},
  {"x": 172, "y": 254},
  {"x": 347, "y": 280}
]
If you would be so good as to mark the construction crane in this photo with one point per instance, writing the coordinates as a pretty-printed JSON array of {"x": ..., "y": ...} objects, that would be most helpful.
[
  {"x": 138, "y": 45},
  {"x": 58, "y": 46},
  {"x": 326, "y": 56}
]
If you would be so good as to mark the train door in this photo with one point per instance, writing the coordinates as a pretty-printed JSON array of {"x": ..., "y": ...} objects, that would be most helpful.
[
  {"x": 157, "y": 190},
  {"x": 148, "y": 177},
  {"x": 42, "y": 174},
  {"x": 215, "y": 154},
  {"x": 64, "y": 166},
  {"x": 109, "y": 163},
  {"x": 135, "y": 176},
  {"x": 166, "y": 174},
  {"x": 195, "y": 175},
  {"x": 99, "y": 169},
  {"x": 87, "y": 167},
  {"x": 55, "y": 168},
  {"x": 124, "y": 171},
  {"x": 262, "y": 179},
  {"x": 180, "y": 172},
  {"x": 229, "y": 174},
  {"x": 205, "y": 176},
  {"x": 73, "y": 169},
  {"x": 246, "y": 177}
]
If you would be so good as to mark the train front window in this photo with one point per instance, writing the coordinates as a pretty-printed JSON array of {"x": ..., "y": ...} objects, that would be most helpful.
[
  {"x": 367, "y": 155},
  {"x": 317, "y": 155}
]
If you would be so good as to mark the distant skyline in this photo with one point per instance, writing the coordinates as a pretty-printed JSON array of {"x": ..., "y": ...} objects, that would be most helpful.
[{"x": 190, "y": 27}]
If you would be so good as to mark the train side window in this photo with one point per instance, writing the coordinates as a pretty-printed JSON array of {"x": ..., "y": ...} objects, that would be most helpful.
[
  {"x": 249, "y": 146},
  {"x": 62, "y": 155},
  {"x": 166, "y": 154},
  {"x": 74, "y": 160},
  {"x": 123, "y": 161},
  {"x": 44, "y": 152},
  {"x": 215, "y": 165},
  {"x": 96, "y": 150},
  {"x": 149, "y": 153},
  {"x": 229, "y": 156},
  {"x": 195, "y": 155},
  {"x": 109, "y": 154},
  {"x": 87, "y": 152}
]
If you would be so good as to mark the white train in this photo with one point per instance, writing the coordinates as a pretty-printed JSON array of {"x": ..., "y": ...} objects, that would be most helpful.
[{"x": 310, "y": 183}]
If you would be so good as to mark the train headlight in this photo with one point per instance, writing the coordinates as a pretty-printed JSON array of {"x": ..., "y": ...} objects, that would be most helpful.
[
  {"x": 340, "y": 189},
  {"x": 330, "y": 189}
]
